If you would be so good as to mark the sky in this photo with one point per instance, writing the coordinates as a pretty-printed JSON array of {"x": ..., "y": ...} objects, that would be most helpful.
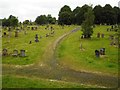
[{"x": 30, "y": 9}]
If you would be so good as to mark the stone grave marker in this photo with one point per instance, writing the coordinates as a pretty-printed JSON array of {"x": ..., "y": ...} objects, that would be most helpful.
[
  {"x": 102, "y": 35},
  {"x": 102, "y": 51},
  {"x": 36, "y": 38},
  {"x": 30, "y": 42},
  {"x": 97, "y": 54},
  {"x": 15, "y": 53},
  {"x": 98, "y": 35},
  {"x": 16, "y": 33},
  {"x": 4, "y": 52},
  {"x": 22, "y": 53},
  {"x": 111, "y": 37}
]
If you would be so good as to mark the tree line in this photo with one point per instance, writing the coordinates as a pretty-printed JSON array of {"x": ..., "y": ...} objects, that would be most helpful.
[{"x": 102, "y": 15}]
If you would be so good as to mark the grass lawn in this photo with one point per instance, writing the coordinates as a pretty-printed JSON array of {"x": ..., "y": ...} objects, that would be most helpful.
[
  {"x": 10, "y": 81},
  {"x": 70, "y": 55},
  {"x": 34, "y": 51}
]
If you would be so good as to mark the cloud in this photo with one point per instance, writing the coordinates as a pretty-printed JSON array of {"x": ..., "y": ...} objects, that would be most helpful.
[{"x": 30, "y": 9}]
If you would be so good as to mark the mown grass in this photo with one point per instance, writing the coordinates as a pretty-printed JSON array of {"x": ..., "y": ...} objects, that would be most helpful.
[
  {"x": 70, "y": 55},
  {"x": 9, "y": 81},
  {"x": 34, "y": 51}
]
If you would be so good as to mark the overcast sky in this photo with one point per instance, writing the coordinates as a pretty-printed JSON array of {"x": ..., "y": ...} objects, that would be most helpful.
[{"x": 30, "y": 9}]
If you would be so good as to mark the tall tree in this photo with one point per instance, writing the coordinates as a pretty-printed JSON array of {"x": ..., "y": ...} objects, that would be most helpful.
[
  {"x": 98, "y": 14},
  {"x": 65, "y": 15},
  {"x": 87, "y": 25},
  {"x": 13, "y": 21},
  {"x": 42, "y": 19}
]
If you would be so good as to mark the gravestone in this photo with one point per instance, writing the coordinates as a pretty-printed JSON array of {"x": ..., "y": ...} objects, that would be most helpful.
[
  {"x": 98, "y": 35},
  {"x": 36, "y": 38},
  {"x": 16, "y": 33},
  {"x": 4, "y": 52},
  {"x": 102, "y": 35},
  {"x": 47, "y": 35},
  {"x": 111, "y": 37},
  {"x": 5, "y": 33},
  {"x": 102, "y": 51},
  {"x": 22, "y": 53},
  {"x": 82, "y": 36},
  {"x": 111, "y": 43},
  {"x": 97, "y": 54},
  {"x": 80, "y": 46},
  {"x": 30, "y": 42},
  {"x": 15, "y": 53}
]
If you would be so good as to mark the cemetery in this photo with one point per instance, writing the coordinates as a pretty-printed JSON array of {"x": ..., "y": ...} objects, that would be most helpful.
[{"x": 78, "y": 50}]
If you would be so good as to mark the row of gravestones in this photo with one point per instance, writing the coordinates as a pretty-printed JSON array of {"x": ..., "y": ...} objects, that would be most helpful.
[
  {"x": 15, "y": 53},
  {"x": 16, "y": 34},
  {"x": 37, "y": 38},
  {"x": 100, "y": 52},
  {"x": 114, "y": 40},
  {"x": 113, "y": 28},
  {"x": 99, "y": 34}
]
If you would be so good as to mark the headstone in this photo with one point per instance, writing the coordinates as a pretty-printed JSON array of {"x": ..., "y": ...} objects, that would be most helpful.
[
  {"x": 5, "y": 52},
  {"x": 102, "y": 51},
  {"x": 98, "y": 35},
  {"x": 111, "y": 43},
  {"x": 107, "y": 29},
  {"x": 5, "y": 34},
  {"x": 80, "y": 46},
  {"x": 32, "y": 28},
  {"x": 30, "y": 42},
  {"x": 22, "y": 53},
  {"x": 82, "y": 36},
  {"x": 16, "y": 33},
  {"x": 97, "y": 54},
  {"x": 111, "y": 37},
  {"x": 15, "y": 53},
  {"x": 47, "y": 35},
  {"x": 36, "y": 38},
  {"x": 102, "y": 35}
]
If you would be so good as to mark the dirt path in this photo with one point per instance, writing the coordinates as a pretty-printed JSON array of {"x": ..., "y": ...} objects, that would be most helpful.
[{"x": 51, "y": 69}]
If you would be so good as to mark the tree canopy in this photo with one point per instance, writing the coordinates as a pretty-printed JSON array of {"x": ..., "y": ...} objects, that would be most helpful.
[
  {"x": 87, "y": 25},
  {"x": 11, "y": 21}
]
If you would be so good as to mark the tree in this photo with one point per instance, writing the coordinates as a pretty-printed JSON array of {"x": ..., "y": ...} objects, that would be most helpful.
[
  {"x": 75, "y": 18},
  {"x": 13, "y": 21},
  {"x": 65, "y": 15},
  {"x": 87, "y": 25},
  {"x": 50, "y": 19},
  {"x": 98, "y": 14},
  {"x": 26, "y": 22},
  {"x": 42, "y": 19},
  {"x": 108, "y": 14},
  {"x": 5, "y": 22}
]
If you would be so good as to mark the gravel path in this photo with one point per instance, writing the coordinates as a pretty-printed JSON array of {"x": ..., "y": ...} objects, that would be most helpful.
[{"x": 51, "y": 69}]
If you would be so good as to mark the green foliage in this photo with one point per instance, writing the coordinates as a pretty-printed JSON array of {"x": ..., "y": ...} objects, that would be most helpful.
[
  {"x": 26, "y": 22},
  {"x": 42, "y": 19},
  {"x": 65, "y": 16},
  {"x": 88, "y": 23},
  {"x": 11, "y": 21}
]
